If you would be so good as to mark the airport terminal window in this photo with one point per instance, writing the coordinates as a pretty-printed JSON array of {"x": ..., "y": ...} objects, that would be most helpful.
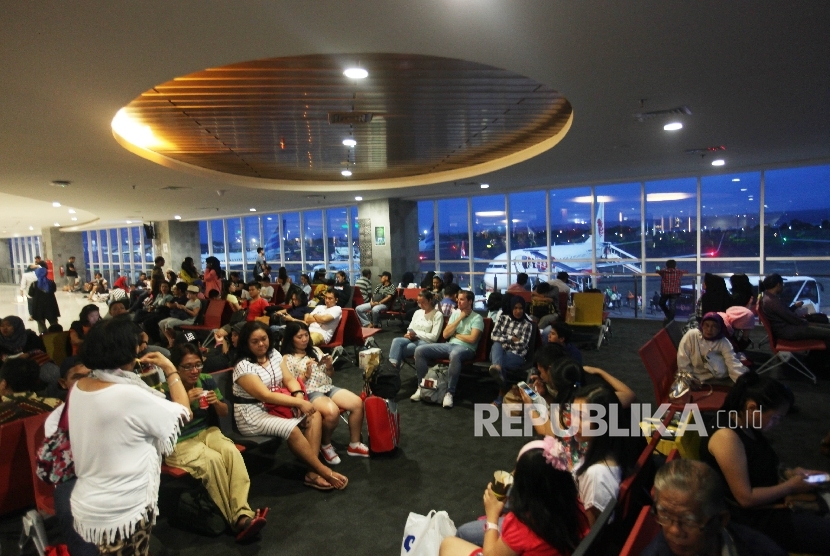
[
  {"x": 271, "y": 240},
  {"x": 217, "y": 241},
  {"x": 291, "y": 237},
  {"x": 671, "y": 218},
  {"x": 313, "y": 237},
  {"x": 337, "y": 238},
  {"x": 235, "y": 247},
  {"x": 527, "y": 222},
  {"x": 453, "y": 231},
  {"x": 730, "y": 215},
  {"x": 617, "y": 228},
  {"x": 797, "y": 212},
  {"x": 252, "y": 241},
  {"x": 204, "y": 248},
  {"x": 489, "y": 227}
]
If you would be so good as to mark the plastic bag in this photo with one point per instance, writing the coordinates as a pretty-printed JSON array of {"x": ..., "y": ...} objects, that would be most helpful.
[{"x": 423, "y": 534}]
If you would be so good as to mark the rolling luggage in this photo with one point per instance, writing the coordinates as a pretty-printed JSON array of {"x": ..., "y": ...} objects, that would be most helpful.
[{"x": 383, "y": 422}]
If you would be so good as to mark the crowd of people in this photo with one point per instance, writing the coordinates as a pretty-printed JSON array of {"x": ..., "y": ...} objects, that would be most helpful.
[{"x": 283, "y": 387}]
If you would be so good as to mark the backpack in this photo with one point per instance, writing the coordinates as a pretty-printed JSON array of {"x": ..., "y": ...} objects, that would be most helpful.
[
  {"x": 196, "y": 512},
  {"x": 435, "y": 384},
  {"x": 385, "y": 382}
]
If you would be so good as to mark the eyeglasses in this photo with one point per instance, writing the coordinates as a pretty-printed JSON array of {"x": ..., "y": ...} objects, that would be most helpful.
[
  {"x": 188, "y": 368},
  {"x": 687, "y": 523}
]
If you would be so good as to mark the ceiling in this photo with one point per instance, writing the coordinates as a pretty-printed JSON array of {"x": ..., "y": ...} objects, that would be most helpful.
[{"x": 756, "y": 77}]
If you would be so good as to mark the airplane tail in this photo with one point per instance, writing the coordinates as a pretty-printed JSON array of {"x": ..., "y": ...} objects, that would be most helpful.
[{"x": 599, "y": 228}]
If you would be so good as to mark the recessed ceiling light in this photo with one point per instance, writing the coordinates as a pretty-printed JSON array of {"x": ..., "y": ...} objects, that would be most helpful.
[
  {"x": 356, "y": 73},
  {"x": 346, "y": 173},
  {"x": 349, "y": 142},
  {"x": 56, "y": 204},
  {"x": 718, "y": 162},
  {"x": 71, "y": 211},
  {"x": 57, "y": 224},
  {"x": 31, "y": 227},
  {"x": 743, "y": 189},
  {"x": 74, "y": 218},
  {"x": 736, "y": 179},
  {"x": 252, "y": 210},
  {"x": 177, "y": 217},
  {"x": 485, "y": 185},
  {"x": 674, "y": 126},
  {"x": 16, "y": 235},
  {"x": 358, "y": 198},
  {"x": 129, "y": 221}
]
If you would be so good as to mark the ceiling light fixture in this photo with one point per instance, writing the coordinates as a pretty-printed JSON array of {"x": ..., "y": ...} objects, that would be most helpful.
[
  {"x": 356, "y": 73},
  {"x": 129, "y": 221},
  {"x": 346, "y": 173},
  {"x": 74, "y": 218},
  {"x": 252, "y": 210},
  {"x": 31, "y": 227},
  {"x": 57, "y": 223},
  {"x": 56, "y": 204},
  {"x": 71, "y": 211},
  {"x": 736, "y": 179},
  {"x": 349, "y": 142},
  {"x": 358, "y": 198},
  {"x": 485, "y": 185},
  {"x": 743, "y": 189},
  {"x": 177, "y": 217},
  {"x": 718, "y": 162},
  {"x": 674, "y": 126}
]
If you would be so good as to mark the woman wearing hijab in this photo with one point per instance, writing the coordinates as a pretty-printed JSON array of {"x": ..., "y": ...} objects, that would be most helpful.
[
  {"x": 706, "y": 354},
  {"x": 44, "y": 302},
  {"x": 511, "y": 341},
  {"x": 16, "y": 339}
]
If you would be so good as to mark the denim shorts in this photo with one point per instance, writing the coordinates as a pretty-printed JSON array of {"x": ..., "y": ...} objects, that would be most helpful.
[{"x": 314, "y": 395}]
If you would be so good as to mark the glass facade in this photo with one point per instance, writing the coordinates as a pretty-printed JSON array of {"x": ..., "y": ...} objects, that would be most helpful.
[{"x": 117, "y": 252}]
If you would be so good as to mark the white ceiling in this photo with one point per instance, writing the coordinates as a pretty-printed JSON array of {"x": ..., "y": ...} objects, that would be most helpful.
[{"x": 756, "y": 76}]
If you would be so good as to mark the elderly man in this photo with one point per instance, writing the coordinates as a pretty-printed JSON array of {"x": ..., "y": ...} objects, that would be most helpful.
[
  {"x": 369, "y": 312},
  {"x": 462, "y": 335},
  {"x": 690, "y": 508}
]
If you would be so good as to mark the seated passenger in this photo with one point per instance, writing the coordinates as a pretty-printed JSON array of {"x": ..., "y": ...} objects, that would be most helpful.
[
  {"x": 511, "y": 340},
  {"x": 307, "y": 363},
  {"x": 785, "y": 324},
  {"x": 384, "y": 293},
  {"x": 449, "y": 302},
  {"x": 495, "y": 302},
  {"x": 738, "y": 323},
  {"x": 560, "y": 332},
  {"x": 305, "y": 284},
  {"x": 462, "y": 335},
  {"x": 257, "y": 378},
  {"x": 181, "y": 314},
  {"x": 79, "y": 328},
  {"x": 758, "y": 488},
  {"x": 705, "y": 354},
  {"x": 266, "y": 290},
  {"x": 117, "y": 308},
  {"x": 324, "y": 319},
  {"x": 545, "y": 516},
  {"x": 15, "y": 338},
  {"x": 742, "y": 295},
  {"x": 19, "y": 380},
  {"x": 343, "y": 289},
  {"x": 690, "y": 508},
  {"x": 437, "y": 288},
  {"x": 208, "y": 455},
  {"x": 425, "y": 328},
  {"x": 520, "y": 285},
  {"x": 256, "y": 303}
]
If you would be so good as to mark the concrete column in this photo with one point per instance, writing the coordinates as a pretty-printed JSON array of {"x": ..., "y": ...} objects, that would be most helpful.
[
  {"x": 6, "y": 269},
  {"x": 397, "y": 252},
  {"x": 59, "y": 246},
  {"x": 176, "y": 240}
]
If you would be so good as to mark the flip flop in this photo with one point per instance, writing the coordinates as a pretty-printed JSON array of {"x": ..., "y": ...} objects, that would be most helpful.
[
  {"x": 313, "y": 483},
  {"x": 253, "y": 528},
  {"x": 344, "y": 479}
]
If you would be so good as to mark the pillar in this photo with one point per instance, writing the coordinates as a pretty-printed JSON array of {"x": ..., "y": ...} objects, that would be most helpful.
[
  {"x": 176, "y": 240},
  {"x": 388, "y": 239},
  {"x": 58, "y": 246}
]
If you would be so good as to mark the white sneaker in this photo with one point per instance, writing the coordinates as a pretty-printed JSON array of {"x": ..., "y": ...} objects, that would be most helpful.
[
  {"x": 416, "y": 397},
  {"x": 330, "y": 454},
  {"x": 447, "y": 400}
]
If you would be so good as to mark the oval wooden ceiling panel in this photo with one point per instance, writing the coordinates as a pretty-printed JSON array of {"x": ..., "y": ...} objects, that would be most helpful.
[{"x": 416, "y": 119}]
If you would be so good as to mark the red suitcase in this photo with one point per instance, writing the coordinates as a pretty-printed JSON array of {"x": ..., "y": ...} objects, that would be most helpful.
[{"x": 383, "y": 422}]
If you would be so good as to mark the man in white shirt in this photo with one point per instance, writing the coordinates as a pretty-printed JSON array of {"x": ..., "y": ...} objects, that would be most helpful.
[
  {"x": 267, "y": 290},
  {"x": 324, "y": 319},
  {"x": 561, "y": 282}
]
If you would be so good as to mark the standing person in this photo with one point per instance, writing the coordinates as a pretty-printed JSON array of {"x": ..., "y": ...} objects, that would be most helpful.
[
  {"x": 369, "y": 312},
  {"x": 71, "y": 275},
  {"x": 306, "y": 362},
  {"x": 157, "y": 274},
  {"x": 188, "y": 273},
  {"x": 257, "y": 379},
  {"x": 259, "y": 264},
  {"x": 120, "y": 429},
  {"x": 669, "y": 288},
  {"x": 212, "y": 278},
  {"x": 44, "y": 303},
  {"x": 561, "y": 282},
  {"x": 462, "y": 334},
  {"x": 424, "y": 328},
  {"x": 208, "y": 455},
  {"x": 364, "y": 284}
]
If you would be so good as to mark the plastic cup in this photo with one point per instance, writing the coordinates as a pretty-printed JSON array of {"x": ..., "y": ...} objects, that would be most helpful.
[{"x": 501, "y": 482}]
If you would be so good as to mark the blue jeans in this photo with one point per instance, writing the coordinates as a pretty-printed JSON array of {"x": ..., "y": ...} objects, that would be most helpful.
[
  {"x": 457, "y": 354},
  {"x": 506, "y": 360},
  {"x": 363, "y": 313},
  {"x": 401, "y": 349}
]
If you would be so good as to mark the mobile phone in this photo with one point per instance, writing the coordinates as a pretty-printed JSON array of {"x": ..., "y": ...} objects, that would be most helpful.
[
  {"x": 817, "y": 478},
  {"x": 532, "y": 394}
]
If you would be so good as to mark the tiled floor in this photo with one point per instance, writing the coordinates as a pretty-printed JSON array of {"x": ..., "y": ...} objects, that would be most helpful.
[{"x": 70, "y": 305}]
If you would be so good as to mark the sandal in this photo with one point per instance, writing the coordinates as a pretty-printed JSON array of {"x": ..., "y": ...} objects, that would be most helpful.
[
  {"x": 315, "y": 483},
  {"x": 339, "y": 478},
  {"x": 253, "y": 527}
]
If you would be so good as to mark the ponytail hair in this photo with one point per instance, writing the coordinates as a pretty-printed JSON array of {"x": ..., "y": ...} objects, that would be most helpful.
[{"x": 768, "y": 393}]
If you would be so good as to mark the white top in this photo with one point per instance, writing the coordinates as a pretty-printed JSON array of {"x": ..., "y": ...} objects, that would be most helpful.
[
  {"x": 326, "y": 329},
  {"x": 267, "y": 292},
  {"x": 598, "y": 485},
  {"x": 119, "y": 436},
  {"x": 707, "y": 359},
  {"x": 561, "y": 286},
  {"x": 428, "y": 328}
]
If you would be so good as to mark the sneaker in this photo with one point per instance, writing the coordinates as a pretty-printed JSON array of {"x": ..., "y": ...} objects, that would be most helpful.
[
  {"x": 360, "y": 451},
  {"x": 330, "y": 455},
  {"x": 495, "y": 373},
  {"x": 447, "y": 400},
  {"x": 416, "y": 397}
]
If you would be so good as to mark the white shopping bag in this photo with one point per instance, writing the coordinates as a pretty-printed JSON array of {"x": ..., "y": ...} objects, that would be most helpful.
[
  {"x": 423, "y": 534},
  {"x": 369, "y": 358}
]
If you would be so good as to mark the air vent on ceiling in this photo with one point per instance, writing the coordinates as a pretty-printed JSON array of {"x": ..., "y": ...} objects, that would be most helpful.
[
  {"x": 349, "y": 118},
  {"x": 175, "y": 188},
  {"x": 643, "y": 116},
  {"x": 704, "y": 150},
  {"x": 60, "y": 183}
]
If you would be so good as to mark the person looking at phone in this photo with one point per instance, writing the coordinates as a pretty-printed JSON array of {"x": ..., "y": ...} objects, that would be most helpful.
[
  {"x": 511, "y": 341},
  {"x": 741, "y": 454},
  {"x": 308, "y": 363},
  {"x": 425, "y": 328},
  {"x": 462, "y": 335}
]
